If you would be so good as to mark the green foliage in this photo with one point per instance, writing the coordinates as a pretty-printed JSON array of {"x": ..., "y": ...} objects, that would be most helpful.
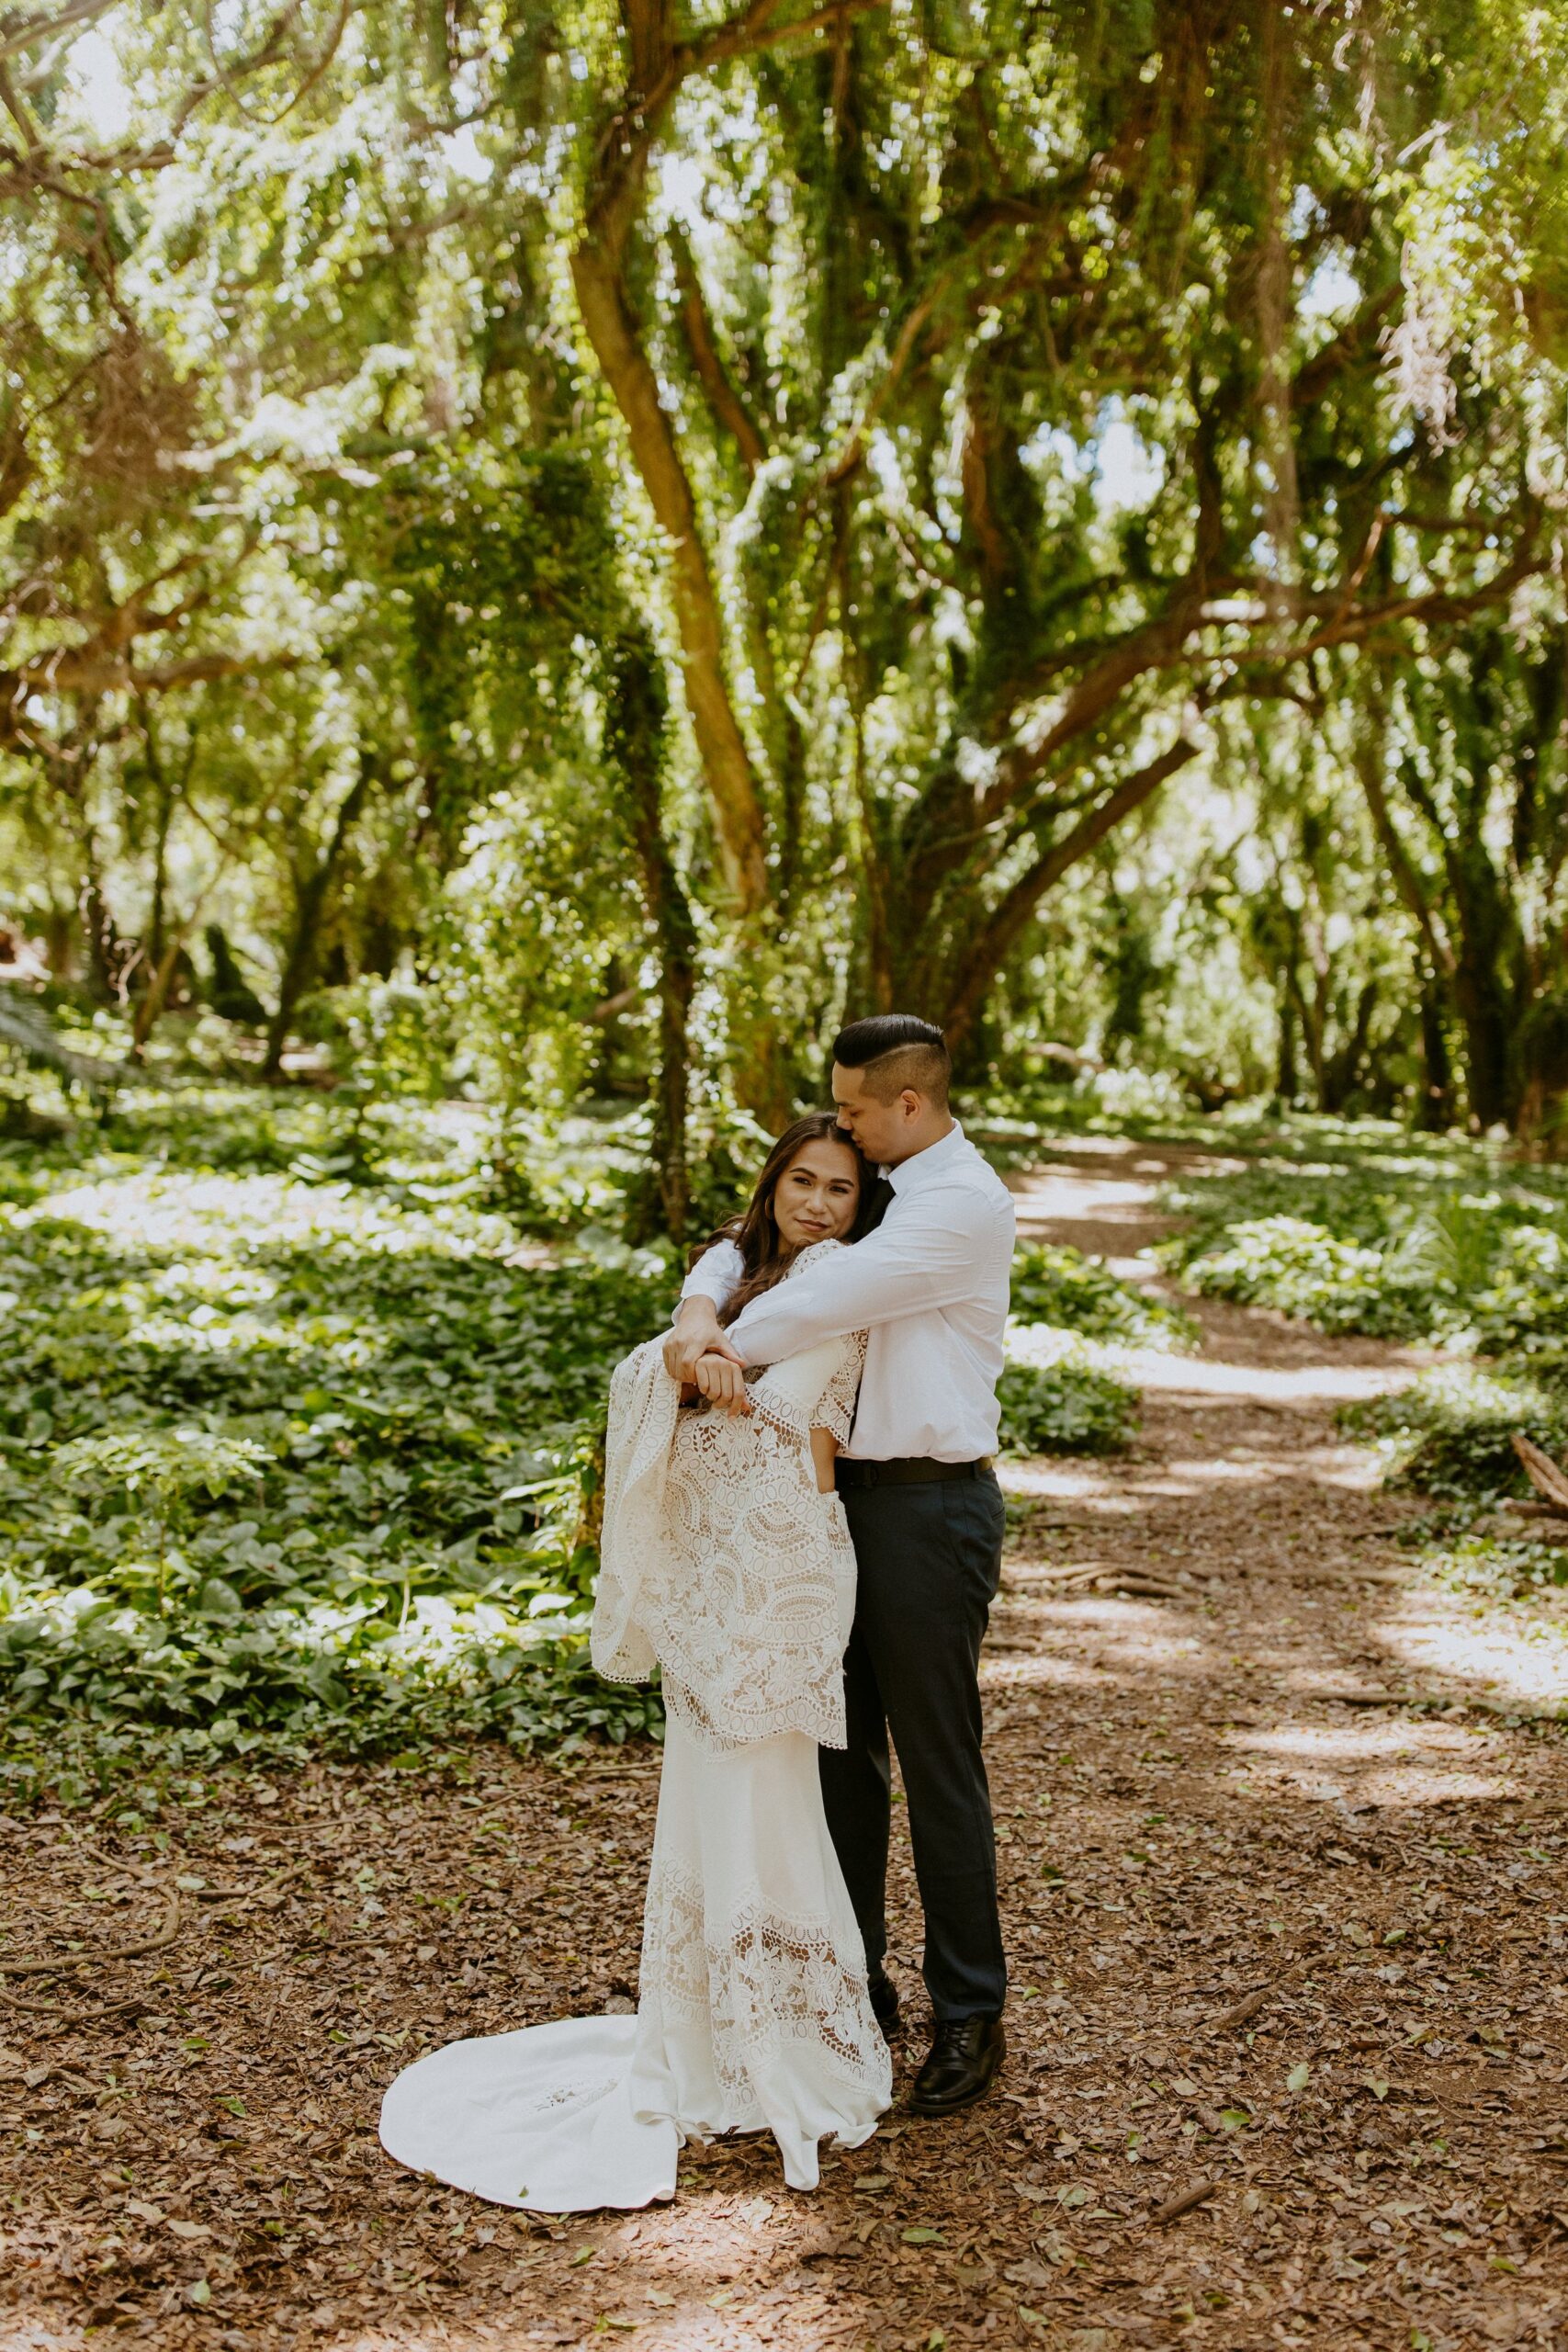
[
  {"x": 1302, "y": 1269},
  {"x": 1071, "y": 1406},
  {"x": 1061, "y": 1392},
  {"x": 501, "y": 588},
  {"x": 388, "y": 1040},
  {"x": 1449, "y": 1434},
  {"x": 168, "y": 1465},
  {"x": 1466, "y": 1268},
  {"x": 283, "y": 1457},
  {"x": 375, "y": 572},
  {"x": 1074, "y": 1293},
  {"x": 1453, "y": 1244},
  {"x": 29, "y": 1035},
  {"x": 1492, "y": 1567}
]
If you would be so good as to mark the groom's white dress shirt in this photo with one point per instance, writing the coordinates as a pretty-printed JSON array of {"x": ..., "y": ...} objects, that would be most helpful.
[{"x": 931, "y": 1284}]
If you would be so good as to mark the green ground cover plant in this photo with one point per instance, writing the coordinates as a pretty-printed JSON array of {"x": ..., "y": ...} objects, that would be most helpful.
[
  {"x": 1362, "y": 1228},
  {"x": 1490, "y": 1568},
  {"x": 1065, "y": 1390},
  {"x": 1072, "y": 1291},
  {"x": 300, "y": 1446},
  {"x": 285, "y": 1457},
  {"x": 1447, "y": 1241},
  {"x": 1450, "y": 1433},
  {"x": 1071, "y": 1406}
]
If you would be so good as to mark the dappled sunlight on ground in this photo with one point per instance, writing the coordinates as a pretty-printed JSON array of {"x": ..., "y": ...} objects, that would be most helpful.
[
  {"x": 1513, "y": 1662},
  {"x": 176, "y": 1212},
  {"x": 1284, "y": 1896},
  {"x": 1327, "y": 1383},
  {"x": 1381, "y": 1765}
]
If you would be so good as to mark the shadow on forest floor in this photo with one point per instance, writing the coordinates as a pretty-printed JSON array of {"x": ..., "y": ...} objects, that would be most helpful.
[{"x": 1282, "y": 1870}]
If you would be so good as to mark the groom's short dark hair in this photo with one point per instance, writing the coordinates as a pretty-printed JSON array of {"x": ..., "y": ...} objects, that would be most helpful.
[{"x": 895, "y": 1051}]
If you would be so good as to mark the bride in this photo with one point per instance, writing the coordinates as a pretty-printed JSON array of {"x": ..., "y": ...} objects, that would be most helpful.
[{"x": 725, "y": 1560}]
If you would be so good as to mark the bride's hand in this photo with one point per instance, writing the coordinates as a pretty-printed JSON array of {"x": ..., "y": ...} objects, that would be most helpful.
[{"x": 722, "y": 1380}]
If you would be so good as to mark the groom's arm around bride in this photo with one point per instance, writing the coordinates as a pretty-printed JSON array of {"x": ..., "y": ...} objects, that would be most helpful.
[{"x": 931, "y": 1286}]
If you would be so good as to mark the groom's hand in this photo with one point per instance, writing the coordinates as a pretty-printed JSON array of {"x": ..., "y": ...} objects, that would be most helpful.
[{"x": 697, "y": 1333}]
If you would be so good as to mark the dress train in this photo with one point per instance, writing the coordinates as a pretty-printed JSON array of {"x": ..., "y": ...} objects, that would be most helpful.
[{"x": 754, "y": 2016}]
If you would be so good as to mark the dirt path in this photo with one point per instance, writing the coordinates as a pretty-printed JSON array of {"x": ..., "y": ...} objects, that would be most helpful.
[{"x": 1282, "y": 1863}]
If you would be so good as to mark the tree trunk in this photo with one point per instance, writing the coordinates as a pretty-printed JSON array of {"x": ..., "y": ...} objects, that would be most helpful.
[
  {"x": 104, "y": 962},
  {"x": 1310, "y": 1028},
  {"x": 164, "y": 788},
  {"x": 1369, "y": 756},
  {"x": 1435, "y": 1109},
  {"x": 1543, "y": 1057},
  {"x": 1342, "y": 1071},
  {"x": 299, "y": 963},
  {"x": 603, "y": 300},
  {"x": 634, "y": 741},
  {"x": 1486, "y": 1017},
  {"x": 1287, "y": 1081}
]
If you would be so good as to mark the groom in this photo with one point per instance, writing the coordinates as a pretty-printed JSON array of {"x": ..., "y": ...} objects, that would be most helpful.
[{"x": 924, "y": 1509}]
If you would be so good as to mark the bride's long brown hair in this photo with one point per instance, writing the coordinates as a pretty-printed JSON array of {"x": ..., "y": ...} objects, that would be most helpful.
[{"x": 764, "y": 1258}]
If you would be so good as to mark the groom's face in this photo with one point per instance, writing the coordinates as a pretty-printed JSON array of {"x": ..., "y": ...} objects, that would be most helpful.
[{"x": 881, "y": 1129}]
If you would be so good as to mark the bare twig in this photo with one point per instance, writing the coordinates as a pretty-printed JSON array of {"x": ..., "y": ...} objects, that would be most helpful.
[
  {"x": 164, "y": 1935},
  {"x": 134, "y": 2004},
  {"x": 1239, "y": 2012},
  {"x": 1183, "y": 2203},
  {"x": 1142, "y": 1585},
  {"x": 1251, "y": 2002},
  {"x": 1550, "y": 1481}
]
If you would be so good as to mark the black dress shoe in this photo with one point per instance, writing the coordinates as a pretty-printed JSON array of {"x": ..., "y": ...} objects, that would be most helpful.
[
  {"x": 885, "y": 2003},
  {"x": 961, "y": 2066}
]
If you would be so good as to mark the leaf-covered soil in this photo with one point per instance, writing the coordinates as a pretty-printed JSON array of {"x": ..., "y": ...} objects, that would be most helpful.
[{"x": 1283, "y": 1877}]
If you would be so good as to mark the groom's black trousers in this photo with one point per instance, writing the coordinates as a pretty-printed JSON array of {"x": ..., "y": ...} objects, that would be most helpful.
[{"x": 929, "y": 1561}]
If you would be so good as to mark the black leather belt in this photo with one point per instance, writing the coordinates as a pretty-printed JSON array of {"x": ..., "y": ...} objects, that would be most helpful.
[{"x": 905, "y": 1470}]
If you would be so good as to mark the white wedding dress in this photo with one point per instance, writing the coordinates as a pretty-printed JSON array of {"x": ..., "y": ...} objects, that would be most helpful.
[{"x": 723, "y": 1562}]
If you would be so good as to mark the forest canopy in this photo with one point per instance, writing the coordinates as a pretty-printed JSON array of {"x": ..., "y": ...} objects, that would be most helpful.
[{"x": 552, "y": 554}]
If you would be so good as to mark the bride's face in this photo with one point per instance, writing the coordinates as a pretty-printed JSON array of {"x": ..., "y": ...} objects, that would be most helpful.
[{"x": 815, "y": 1198}]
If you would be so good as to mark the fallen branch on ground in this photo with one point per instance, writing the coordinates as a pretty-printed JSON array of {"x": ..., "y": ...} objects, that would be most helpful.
[
  {"x": 134, "y": 2005},
  {"x": 1248, "y": 2007},
  {"x": 1038, "y": 1575},
  {"x": 1550, "y": 1481},
  {"x": 1183, "y": 2203},
  {"x": 1249, "y": 2003},
  {"x": 164, "y": 1935}
]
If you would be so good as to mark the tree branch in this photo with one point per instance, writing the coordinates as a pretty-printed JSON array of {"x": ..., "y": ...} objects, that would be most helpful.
[
  {"x": 613, "y": 331},
  {"x": 74, "y": 671},
  {"x": 724, "y": 399},
  {"x": 659, "y": 65},
  {"x": 999, "y": 933},
  {"x": 36, "y": 29}
]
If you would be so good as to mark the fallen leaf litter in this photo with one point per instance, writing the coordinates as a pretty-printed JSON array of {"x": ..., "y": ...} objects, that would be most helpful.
[{"x": 1289, "y": 2030}]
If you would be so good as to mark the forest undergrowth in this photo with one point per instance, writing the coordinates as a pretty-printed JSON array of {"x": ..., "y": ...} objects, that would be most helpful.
[
  {"x": 302, "y": 1446},
  {"x": 1282, "y": 1812}
]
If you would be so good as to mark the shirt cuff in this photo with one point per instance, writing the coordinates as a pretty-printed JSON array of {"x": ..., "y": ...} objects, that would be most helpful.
[
  {"x": 714, "y": 1292},
  {"x": 715, "y": 1274}
]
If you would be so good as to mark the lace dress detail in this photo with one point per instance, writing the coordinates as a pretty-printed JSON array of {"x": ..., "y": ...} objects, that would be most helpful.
[
  {"x": 836, "y": 1406},
  {"x": 727, "y": 1567},
  {"x": 758, "y": 1982},
  {"x": 721, "y": 1558}
]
